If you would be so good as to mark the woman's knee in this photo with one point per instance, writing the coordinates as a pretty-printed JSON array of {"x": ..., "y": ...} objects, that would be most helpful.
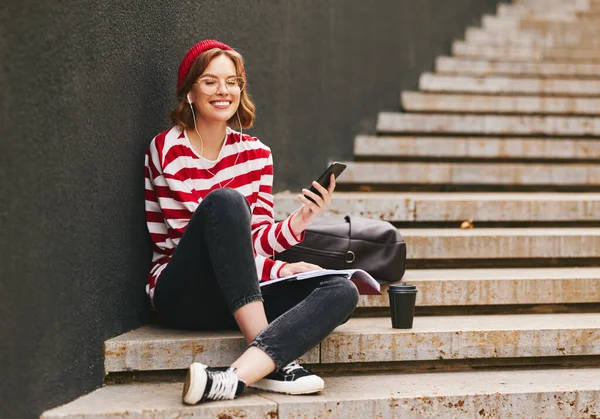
[
  {"x": 226, "y": 201},
  {"x": 226, "y": 197},
  {"x": 344, "y": 294}
]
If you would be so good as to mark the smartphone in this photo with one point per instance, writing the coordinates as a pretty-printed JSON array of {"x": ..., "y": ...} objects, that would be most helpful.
[{"x": 323, "y": 180}]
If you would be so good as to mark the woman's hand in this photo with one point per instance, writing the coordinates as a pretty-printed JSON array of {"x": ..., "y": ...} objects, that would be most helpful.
[
  {"x": 298, "y": 268},
  {"x": 309, "y": 211}
]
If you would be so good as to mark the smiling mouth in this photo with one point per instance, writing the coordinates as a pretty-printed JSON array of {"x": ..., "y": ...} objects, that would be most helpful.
[{"x": 221, "y": 104}]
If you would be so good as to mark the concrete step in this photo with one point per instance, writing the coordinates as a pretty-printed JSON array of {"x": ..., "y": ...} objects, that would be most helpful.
[
  {"x": 547, "y": 393},
  {"x": 499, "y": 52},
  {"x": 478, "y": 173},
  {"x": 515, "y": 39},
  {"x": 428, "y": 244},
  {"x": 373, "y": 340},
  {"x": 449, "y": 124},
  {"x": 568, "y": 16},
  {"x": 474, "y": 147},
  {"x": 555, "y": 4},
  {"x": 483, "y": 67},
  {"x": 499, "y": 286},
  {"x": 152, "y": 348},
  {"x": 488, "y": 103},
  {"x": 429, "y": 82},
  {"x": 516, "y": 10},
  {"x": 560, "y": 13},
  {"x": 555, "y": 23},
  {"x": 456, "y": 206}
]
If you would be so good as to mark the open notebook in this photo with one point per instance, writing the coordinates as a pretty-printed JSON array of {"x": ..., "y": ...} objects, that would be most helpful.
[{"x": 366, "y": 284}]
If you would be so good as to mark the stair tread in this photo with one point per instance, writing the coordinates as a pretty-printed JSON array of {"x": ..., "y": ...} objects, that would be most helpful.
[
  {"x": 479, "y": 323},
  {"x": 158, "y": 400},
  {"x": 528, "y": 393}
]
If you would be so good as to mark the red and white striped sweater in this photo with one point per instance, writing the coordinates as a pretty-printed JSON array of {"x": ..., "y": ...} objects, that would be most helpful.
[{"x": 177, "y": 180}]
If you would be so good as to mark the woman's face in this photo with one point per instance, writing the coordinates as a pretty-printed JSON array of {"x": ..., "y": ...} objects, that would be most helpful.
[{"x": 216, "y": 93}]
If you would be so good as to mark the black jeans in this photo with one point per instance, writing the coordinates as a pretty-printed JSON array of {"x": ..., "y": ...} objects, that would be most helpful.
[{"x": 212, "y": 273}]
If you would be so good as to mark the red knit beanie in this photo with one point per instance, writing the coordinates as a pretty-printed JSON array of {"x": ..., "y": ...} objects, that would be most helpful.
[{"x": 194, "y": 52}]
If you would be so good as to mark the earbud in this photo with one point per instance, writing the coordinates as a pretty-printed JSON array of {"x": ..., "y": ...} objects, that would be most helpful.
[{"x": 189, "y": 99}]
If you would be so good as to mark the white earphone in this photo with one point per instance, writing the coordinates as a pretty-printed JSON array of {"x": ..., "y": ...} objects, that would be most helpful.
[{"x": 189, "y": 99}]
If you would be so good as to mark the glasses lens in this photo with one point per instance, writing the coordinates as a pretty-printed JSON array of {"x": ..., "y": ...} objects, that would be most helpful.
[{"x": 210, "y": 86}]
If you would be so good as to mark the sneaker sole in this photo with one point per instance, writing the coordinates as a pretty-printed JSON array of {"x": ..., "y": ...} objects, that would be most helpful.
[
  {"x": 298, "y": 388},
  {"x": 195, "y": 383}
]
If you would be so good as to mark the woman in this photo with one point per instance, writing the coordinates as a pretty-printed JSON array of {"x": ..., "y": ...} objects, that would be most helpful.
[{"x": 209, "y": 212}]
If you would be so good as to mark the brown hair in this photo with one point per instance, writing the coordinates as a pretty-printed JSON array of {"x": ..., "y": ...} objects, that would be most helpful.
[{"x": 182, "y": 114}]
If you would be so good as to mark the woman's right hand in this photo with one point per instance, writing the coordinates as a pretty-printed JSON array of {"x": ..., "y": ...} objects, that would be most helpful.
[{"x": 298, "y": 268}]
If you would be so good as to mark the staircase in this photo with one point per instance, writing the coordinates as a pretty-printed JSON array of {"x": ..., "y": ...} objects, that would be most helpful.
[{"x": 505, "y": 135}]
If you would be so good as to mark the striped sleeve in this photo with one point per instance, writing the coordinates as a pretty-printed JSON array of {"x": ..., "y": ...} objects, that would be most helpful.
[
  {"x": 169, "y": 202},
  {"x": 154, "y": 216},
  {"x": 269, "y": 238}
]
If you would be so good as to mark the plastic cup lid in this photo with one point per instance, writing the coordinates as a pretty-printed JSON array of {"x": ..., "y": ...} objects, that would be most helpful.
[{"x": 404, "y": 287}]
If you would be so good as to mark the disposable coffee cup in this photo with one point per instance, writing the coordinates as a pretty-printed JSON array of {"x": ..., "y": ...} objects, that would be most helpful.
[{"x": 402, "y": 305}]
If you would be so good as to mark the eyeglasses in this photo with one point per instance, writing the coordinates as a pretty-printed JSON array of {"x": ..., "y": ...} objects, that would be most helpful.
[{"x": 210, "y": 85}]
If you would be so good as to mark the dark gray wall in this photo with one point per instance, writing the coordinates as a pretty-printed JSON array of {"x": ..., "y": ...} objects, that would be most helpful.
[{"x": 84, "y": 88}]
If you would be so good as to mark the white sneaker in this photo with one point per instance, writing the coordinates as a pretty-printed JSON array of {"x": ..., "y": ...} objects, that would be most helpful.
[
  {"x": 291, "y": 379},
  {"x": 207, "y": 383}
]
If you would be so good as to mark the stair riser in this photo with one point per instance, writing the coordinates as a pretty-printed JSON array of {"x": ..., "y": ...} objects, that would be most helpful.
[
  {"x": 529, "y": 86},
  {"x": 395, "y": 123},
  {"x": 553, "y": 4},
  {"x": 180, "y": 353},
  {"x": 397, "y": 208},
  {"x": 553, "y": 24},
  {"x": 439, "y": 293},
  {"x": 383, "y": 347},
  {"x": 527, "y": 40},
  {"x": 512, "y": 10},
  {"x": 462, "y": 49},
  {"x": 471, "y": 174},
  {"x": 481, "y": 67},
  {"x": 550, "y": 18},
  {"x": 501, "y": 247},
  {"x": 457, "y": 103}
]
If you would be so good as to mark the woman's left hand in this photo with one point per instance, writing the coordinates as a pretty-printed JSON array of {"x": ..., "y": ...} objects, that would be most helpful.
[{"x": 309, "y": 211}]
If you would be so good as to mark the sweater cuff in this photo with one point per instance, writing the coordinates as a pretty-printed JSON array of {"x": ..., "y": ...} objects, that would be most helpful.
[
  {"x": 278, "y": 274},
  {"x": 276, "y": 269},
  {"x": 288, "y": 225}
]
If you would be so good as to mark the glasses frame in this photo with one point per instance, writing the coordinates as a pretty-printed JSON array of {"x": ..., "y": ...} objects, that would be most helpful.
[{"x": 221, "y": 81}]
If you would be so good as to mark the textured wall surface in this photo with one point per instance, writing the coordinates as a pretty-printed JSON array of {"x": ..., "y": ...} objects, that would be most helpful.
[{"x": 84, "y": 86}]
